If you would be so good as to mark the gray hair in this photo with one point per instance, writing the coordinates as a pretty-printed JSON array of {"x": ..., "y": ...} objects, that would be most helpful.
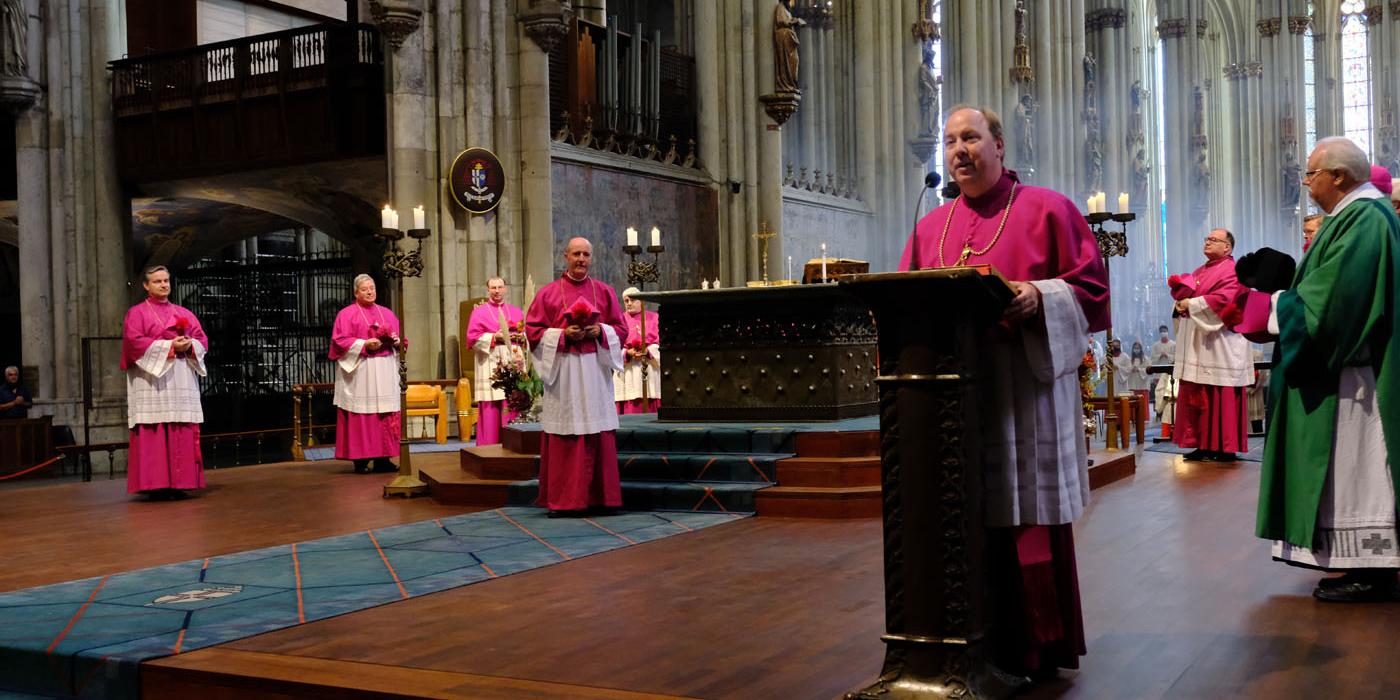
[
  {"x": 146, "y": 273},
  {"x": 359, "y": 280},
  {"x": 11, "y": 367},
  {"x": 1341, "y": 153}
]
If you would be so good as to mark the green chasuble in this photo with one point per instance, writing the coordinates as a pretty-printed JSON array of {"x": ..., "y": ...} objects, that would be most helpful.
[{"x": 1340, "y": 311}]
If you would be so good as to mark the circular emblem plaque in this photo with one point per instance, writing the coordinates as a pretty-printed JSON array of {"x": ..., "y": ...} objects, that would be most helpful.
[{"x": 477, "y": 180}]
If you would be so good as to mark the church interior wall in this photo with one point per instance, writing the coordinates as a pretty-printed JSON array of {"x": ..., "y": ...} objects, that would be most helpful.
[
  {"x": 848, "y": 232},
  {"x": 601, "y": 203}
]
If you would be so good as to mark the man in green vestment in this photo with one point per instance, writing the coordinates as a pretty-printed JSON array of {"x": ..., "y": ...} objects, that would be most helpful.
[{"x": 1326, "y": 492}]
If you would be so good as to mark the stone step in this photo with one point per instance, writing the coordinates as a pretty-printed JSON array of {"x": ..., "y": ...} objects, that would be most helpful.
[
  {"x": 680, "y": 466},
  {"x": 666, "y": 495}
]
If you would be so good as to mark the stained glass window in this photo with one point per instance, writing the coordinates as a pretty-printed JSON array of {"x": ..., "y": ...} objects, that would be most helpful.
[
  {"x": 1356, "y": 75},
  {"x": 1309, "y": 88}
]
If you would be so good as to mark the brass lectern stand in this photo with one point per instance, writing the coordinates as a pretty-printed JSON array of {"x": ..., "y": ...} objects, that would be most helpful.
[{"x": 930, "y": 325}]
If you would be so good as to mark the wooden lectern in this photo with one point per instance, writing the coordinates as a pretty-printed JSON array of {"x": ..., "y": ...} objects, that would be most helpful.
[{"x": 930, "y": 325}]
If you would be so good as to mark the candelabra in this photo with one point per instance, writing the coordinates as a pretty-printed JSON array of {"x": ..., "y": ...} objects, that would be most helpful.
[
  {"x": 1112, "y": 244},
  {"x": 638, "y": 274},
  {"x": 399, "y": 264}
]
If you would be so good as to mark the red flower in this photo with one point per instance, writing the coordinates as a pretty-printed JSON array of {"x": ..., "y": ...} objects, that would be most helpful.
[
  {"x": 1174, "y": 280},
  {"x": 182, "y": 324},
  {"x": 580, "y": 312}
]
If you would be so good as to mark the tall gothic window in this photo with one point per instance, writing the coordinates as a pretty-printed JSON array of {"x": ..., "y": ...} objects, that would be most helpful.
[
  {"x": 1309, "y": 88},
  {"x": 1356, "y": 78}
]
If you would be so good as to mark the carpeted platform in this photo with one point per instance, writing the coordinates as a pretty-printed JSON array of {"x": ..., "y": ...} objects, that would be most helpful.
[
  {"x": 323, "y": 452},
  {"x": 85, "y": 638},
  {"x": 1255, "y": 453}
]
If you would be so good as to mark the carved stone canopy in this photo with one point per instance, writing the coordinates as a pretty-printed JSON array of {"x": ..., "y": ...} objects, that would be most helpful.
[
  {"x": 1269, "y": 27},
  {"x": 781, "y": 105},
  {"x": 396, "y": 18},
  {"x": 1172, "y": 28},
  {"x": 546, "y": 22}
]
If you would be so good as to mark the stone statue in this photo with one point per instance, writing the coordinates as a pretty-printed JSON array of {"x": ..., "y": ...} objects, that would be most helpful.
[
  {"x": 928, "y": 91},
  {"x": 785, "y": 48},
  {"x": 1201, "y": 173},
  {"x": 1090, "y": 73},
  {"x": 14, "y": 29},
  {"x": 1138, "y": 94},
  {"x": 1093, "y": 148},
  {"x": 1141, "y": 172},
  {"x": 1025, "y": 129},
  {"x": 1292, "y": 179}
]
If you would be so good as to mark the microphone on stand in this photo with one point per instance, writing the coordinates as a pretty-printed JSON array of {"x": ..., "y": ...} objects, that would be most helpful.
[
  {"x": 931, "y": 181},
  {"x": 951, "y": 190}
]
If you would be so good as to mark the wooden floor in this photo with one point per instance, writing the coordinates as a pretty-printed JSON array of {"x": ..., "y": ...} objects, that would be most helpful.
[{"x": 1180, "y": 600}]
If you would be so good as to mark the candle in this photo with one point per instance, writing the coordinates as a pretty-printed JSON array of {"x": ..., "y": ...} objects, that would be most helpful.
[
  {"x": 419, "y": 217},
  {"x": 631, "y": 236},
  {"x": 823, "y": 262},
  {"x": 716, "y": 284},
  {"x": 655, "y": 236},
  {"x": 1089, "y": 205},
  {"x": 789, "y": 269},
  {"x": 387, "y": 218},
  {"x": 1122, "y": 202},
  {"x": 1102, "y": 204}
]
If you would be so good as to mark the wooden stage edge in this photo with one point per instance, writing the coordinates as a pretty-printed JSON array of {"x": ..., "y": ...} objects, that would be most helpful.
[{"x": 1107, "y": 466}]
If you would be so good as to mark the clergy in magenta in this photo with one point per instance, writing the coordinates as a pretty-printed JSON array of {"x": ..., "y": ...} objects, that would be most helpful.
[
  {"x": 575, "y": 329},
  {"x": 496, "y": 334},
  {"x": 163, "y": 349},
  {"x": 1327, "y": 480},
  {"x": 1213, "y": 366},
  {"x": 364, "y": 345},
  {"x": 639, "y": 347},
  {"x": 1033, "y": 456}
]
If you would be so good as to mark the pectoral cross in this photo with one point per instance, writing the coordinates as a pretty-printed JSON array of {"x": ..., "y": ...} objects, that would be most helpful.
[{"x": 966, "y": 253}]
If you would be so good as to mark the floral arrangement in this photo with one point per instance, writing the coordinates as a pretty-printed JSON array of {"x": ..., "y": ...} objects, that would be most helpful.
[
  {"x": 637, "y": 346},
  {"x": 521, "y": 384},
  {"x": 182, "y": 324},
  {"x": 1086, "y": 389}
]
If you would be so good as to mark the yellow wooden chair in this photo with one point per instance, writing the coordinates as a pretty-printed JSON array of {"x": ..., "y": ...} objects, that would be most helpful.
[
  {"x": 466, "y": 410},
  {"x": 429, "y": 400}
]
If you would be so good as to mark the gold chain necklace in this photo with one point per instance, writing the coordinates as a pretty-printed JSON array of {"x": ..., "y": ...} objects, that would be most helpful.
[{"x": 967, "y": 250}]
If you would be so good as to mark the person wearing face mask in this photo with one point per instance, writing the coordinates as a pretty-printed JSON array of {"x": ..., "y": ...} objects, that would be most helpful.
[
  {"x": 1132, "y": 369},
  {"x": 575, "y": 329},
  {"x": 496, "y": 333},
  {"x": 163, "y": 347},
  {"x": 1213, "y": 367},
  {"x": 365, "y": 342},
  {"x": 1033, "y": 455}
]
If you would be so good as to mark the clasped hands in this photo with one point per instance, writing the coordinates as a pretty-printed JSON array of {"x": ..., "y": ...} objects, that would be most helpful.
[
  {"x": 182, "y": 344},
  {"x": 577, "y": 333},
  {"x": 374, "y": 344}
]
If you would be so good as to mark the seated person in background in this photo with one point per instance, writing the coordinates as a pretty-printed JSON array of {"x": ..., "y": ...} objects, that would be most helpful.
[{"x": 15, "y": 400}]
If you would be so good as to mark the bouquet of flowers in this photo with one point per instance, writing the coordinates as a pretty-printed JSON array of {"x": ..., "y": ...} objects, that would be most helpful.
[
  {"x": 521, "y": 384},
  {"x": 637, "y": 347},
  {"x": 182, "y": 324},
  {"x": 581, "y": 313}
]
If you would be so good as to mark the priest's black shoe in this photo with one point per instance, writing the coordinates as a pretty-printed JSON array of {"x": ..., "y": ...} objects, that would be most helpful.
[
  {"x": 382, "y": 464},
  {"x": 1361, "y": 591},
  {"x": 1346, "y": 578},
  {"x": 361, "y": 466},
  {"x": 567, "y": 513},
  {"x": 1194, "y": 456}
]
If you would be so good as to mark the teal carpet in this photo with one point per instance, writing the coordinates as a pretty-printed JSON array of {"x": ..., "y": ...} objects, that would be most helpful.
[{"x": 85, "y": 638}]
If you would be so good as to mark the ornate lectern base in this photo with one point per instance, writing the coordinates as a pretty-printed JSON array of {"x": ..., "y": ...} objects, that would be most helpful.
[
  {"x": 405, "y": 485},
  {"x": 901, "y": 682}
]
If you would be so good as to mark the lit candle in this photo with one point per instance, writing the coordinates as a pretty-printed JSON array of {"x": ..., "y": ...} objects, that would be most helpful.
[
  {"x": 631, "y": 236},
  {"x": 1122, "y": 202},
  {"x": 655, "y": 236},
  {"x": 789, "y": 271},
  {"x": 1103, "y": 202},
  {"x": 823, "y": 262},
  {"x": 1089, "y": 206},
  {"x": 420, "y": 218},
  {"x": 386, "y": 218}
]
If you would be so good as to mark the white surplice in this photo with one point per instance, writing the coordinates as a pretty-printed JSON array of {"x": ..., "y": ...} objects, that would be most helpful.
[
  {"x": 1034, "y": 460},
  {"x": 578, "y": 387},
  {"x": 165, "y": 389},
  {"x": 367, "y": 384}
]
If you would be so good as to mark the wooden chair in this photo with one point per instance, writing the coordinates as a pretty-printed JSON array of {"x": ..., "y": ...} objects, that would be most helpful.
[
  {"x": 1115, "y": 434},
  {"x": 466, "y": 409},
  {"x": 428, "y": 400}
]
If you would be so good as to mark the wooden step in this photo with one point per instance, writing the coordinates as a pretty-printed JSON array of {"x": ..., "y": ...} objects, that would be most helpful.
[
  {"x": 850, "y": 443},
  {"x": 497, "y": 462},
  {"x": 829, "y": 471},
  {"x": 448, "y": 484},
  {"x": 525, "y": 442},
  {"x": 817, "y": 502},
  {"x": 1110, "y": 466}
]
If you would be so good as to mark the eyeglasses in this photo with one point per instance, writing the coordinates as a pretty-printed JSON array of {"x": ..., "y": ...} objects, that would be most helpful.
[
  {"x": 1309, "y": 174},
  {"x": 1216, "y": 240}
]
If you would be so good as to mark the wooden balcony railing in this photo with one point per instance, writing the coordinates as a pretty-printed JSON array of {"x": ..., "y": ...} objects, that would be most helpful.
[{"x": 290, "y": 97}]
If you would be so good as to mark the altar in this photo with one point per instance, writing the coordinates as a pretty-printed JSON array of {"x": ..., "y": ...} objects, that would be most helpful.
[{"x": 797, "y": 352}]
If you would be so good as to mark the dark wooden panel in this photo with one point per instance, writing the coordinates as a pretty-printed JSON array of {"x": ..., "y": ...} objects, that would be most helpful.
[{"x": 153, "y": 26}]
